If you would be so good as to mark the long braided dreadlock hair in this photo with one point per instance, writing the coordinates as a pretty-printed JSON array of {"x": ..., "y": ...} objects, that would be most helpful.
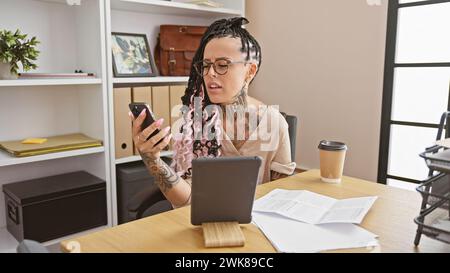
[{"x": 188, "y": 147}]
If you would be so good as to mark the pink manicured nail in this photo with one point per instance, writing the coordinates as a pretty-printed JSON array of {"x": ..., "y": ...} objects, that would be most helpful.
[
  {"x": 159, "y": 122},
  {"x": 142, "y": 112}
]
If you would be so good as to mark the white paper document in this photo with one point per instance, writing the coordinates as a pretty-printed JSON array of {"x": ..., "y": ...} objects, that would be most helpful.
[
  {"x": 291, "y": 236},
  {"x": 443, "y": 224},
  {"x": 314, "y": 208},
  {"x": 443, "y": 143}
]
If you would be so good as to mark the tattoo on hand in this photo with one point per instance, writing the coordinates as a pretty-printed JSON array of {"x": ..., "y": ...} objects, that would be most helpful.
[{"x": 165, "y": 177}]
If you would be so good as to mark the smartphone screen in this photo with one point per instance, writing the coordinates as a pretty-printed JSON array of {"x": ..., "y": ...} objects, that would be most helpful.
[{"x": 136, "y": 108}]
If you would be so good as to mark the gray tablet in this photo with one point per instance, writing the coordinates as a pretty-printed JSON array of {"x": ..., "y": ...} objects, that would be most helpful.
[{"x": 223, "y": 189}]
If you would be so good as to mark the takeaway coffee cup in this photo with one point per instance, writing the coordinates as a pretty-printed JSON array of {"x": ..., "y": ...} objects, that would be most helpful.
[{"x": 332, "y": 157}]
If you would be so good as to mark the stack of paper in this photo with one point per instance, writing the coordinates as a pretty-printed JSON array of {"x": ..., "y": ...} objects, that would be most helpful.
[
  {"x": 314, "y": 208},
  {"x": 207, "y": 3},
  {"x": 443, "y": 143},
  {"x": 302, "y": 221},
  {"x": 445, "y": 226},
  {"x": 55, "y": 75}
]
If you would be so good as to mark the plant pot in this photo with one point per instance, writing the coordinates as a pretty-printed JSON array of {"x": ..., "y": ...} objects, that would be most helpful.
[{"x": 5, "y": 72}]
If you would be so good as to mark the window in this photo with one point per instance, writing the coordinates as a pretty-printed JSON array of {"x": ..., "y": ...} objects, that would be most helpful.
[{"x": 416, "y": 87}]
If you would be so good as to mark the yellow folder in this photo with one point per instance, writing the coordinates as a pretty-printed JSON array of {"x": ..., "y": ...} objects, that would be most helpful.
[{"x": 53, "y": 144}]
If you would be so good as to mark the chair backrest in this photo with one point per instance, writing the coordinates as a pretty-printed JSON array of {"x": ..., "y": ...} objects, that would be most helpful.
[{"x": 292, "y": 123}]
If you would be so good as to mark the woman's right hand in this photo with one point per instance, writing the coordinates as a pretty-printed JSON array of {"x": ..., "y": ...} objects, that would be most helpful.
[{"x": 148, "y": 149}]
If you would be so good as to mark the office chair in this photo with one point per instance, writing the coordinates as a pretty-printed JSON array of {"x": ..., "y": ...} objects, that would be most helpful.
[
  {"x": 292, "y": 123},
  {"x": 150, "y": 196}
]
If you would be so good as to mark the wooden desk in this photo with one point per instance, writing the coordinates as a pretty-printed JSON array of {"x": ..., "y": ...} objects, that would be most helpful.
[{"x": 391, "y": 217}]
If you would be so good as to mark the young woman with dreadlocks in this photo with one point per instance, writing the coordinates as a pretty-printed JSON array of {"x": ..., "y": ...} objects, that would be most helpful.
[{"x": 223, "y": 67}]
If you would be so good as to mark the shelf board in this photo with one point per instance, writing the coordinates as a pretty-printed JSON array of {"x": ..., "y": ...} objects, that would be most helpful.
[
  {"x": 173, "y": 8},
  {"x": 8, "y": 243},
  {"x": 138, "y": 157},
  {"x": 151, "y": 80},
  {"x": 55, "y": 1},
  {"x": 8, "y": 160},
  {"x": 43, "y": 82}
]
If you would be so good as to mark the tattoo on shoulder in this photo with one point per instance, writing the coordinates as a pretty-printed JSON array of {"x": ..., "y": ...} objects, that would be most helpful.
[{"x": 165, "y": 177}]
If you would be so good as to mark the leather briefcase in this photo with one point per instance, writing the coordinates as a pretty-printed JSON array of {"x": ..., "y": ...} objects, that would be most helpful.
[{"x": 176, "y": 48}]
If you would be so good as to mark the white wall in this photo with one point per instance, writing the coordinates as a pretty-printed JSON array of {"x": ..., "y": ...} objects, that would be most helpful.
[{"x": 323, "y": 61}]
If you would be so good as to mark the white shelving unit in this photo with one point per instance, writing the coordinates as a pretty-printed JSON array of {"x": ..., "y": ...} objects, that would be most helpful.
[
  {"x": 78, "y": 37},
  {"x": 72, "y": 38},
  {"x": 8, "y": 242},
  {"x": 48, "y": 82}
]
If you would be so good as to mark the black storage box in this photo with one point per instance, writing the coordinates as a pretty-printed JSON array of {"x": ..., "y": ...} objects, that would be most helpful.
[
  {"x": 132, "y": 178},
  {"x": 51, "y": 207}
]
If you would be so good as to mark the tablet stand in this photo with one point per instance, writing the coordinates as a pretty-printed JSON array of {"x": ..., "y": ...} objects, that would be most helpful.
[{"x": 223, "y": 234}]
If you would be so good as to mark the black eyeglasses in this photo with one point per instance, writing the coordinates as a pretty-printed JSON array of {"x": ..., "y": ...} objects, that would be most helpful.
[{"x": 220, "y": 66}]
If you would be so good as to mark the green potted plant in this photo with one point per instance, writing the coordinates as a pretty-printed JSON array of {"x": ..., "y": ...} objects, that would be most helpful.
[{"x": 15, "y": 48}]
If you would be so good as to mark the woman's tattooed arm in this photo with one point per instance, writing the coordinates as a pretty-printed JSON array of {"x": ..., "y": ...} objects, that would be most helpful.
[{"x": 165, "y": 177}]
